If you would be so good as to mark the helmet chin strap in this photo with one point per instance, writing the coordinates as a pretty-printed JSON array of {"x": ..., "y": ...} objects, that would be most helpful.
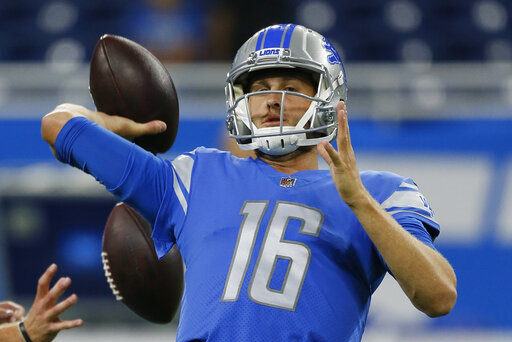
[
  {"x": 278, "y": 144},
  {"x": 283, "y": 144}
]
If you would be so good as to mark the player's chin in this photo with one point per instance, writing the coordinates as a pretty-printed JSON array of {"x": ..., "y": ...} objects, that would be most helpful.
[{"x": 285, "y": 157}]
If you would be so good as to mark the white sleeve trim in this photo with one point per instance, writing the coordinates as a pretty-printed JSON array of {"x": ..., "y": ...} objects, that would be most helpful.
[
  {"x": 183, "y": 165},
  {"x": 408, "y": 185},
  {"x": 179, "y": 193},
  {"x": 403, "y": 200}
]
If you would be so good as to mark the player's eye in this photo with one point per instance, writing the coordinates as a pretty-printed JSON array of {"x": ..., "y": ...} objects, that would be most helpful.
[{"x": 258, "y": 87}]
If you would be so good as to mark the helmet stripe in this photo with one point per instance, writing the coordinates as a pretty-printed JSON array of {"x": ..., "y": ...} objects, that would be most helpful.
[
  {"x": 273, "y": 36},
  {"x": 260, "y": 40},
  {"x": 288, "y": 36}
]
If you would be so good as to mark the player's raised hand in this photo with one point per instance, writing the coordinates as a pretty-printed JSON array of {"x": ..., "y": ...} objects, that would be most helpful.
[
  {"x": 342, "y": 163},
  {"x": 10, "y": 312},
  {"x": 53, "y": 122},
  {"x": 43, "y": 322},
  {"x": 122, "y": 126}
]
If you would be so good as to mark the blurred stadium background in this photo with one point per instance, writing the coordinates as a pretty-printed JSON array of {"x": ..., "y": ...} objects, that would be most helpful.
[{"x": 430, "y": 97}]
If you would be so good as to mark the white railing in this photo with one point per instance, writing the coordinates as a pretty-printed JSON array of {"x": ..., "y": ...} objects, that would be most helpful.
[{"x": 390, "y": 91}]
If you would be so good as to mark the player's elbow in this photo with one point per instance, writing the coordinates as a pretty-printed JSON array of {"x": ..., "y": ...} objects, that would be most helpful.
[{"x": 441, "y": 302}]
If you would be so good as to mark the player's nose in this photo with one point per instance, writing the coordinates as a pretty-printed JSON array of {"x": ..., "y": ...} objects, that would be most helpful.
[{"x": 273, "y": 100}]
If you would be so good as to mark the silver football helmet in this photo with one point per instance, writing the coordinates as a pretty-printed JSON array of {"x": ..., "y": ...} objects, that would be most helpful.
[{"x": 286, "y": 46}]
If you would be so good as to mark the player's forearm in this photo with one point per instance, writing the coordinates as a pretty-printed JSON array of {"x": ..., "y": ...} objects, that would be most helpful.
[
  {"x": 9, "y": 332},
  {"x": 129, "y": 172},
  {"x": 425, "y": 276}
]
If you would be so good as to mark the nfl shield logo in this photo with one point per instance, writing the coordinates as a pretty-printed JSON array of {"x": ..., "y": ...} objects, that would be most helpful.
[{"x": 287, "y": 182}]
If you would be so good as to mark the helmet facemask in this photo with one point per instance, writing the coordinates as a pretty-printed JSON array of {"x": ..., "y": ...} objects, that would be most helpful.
[{"x": 318, "y": 122}]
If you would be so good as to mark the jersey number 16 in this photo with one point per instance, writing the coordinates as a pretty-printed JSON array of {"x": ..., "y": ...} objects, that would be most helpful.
[{"x": 273, "y": 247}]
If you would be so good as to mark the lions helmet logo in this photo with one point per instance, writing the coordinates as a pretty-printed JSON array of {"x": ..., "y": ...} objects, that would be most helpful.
[{"x": 333, "y": 56}]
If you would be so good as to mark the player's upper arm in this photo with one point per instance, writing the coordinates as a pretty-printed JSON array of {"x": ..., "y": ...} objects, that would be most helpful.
[{"x": 173, "y": 212}]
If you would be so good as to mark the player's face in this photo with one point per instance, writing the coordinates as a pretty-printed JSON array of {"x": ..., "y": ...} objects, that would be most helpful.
[{"x": 266, "y": 108}]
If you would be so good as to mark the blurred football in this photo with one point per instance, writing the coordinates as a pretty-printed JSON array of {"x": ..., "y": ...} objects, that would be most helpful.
[
  {"x": 126, "y": 79},
  {"x": 150, "y": 287}
]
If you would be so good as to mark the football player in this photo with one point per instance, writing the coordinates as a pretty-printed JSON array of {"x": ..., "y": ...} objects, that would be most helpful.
[{"x": 275, "y": 249}]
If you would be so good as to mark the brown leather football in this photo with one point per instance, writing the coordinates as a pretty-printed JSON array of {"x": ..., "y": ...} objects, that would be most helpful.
[
  {"x": 150, "y": 287},
  {"x": 125, "y": 79}
]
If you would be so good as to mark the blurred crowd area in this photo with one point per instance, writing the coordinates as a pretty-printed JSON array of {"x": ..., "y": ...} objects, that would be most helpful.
[
  {"x": 446, "y": 125},
  {"x": 206, "y": 30}
]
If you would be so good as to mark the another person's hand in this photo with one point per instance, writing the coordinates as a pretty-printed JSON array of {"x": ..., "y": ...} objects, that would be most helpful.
[
  {"x": 11, "y": 312},
  {"x": 42, "y": 322}
]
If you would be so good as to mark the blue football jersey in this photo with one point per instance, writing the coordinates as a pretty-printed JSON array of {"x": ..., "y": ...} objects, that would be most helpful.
[
  {"x": 269, "y": 256},
  {"x": 273, "y": 257}
]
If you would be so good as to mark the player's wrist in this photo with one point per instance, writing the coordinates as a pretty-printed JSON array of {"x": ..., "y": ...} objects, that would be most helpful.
[
  {"x": 358, "y": 200},
  {"x": 23, "y": 331}
]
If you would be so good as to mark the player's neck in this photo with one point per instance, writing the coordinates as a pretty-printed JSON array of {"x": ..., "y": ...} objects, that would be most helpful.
[{"x": 299, "y": 160}]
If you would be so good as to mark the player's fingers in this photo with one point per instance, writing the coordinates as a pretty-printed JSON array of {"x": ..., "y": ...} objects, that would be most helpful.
[
  {"x": 57, "y": 290},
  {"x": 63, "y": 306},
  {"x": 5, "y": 315},
  {"x": 19, "y": 313},
  {"x": 43, "y": 283},
  {"x": 329, "y": 154},
  {"x": 6, "y": 312},
  {"x": 8, "y": 304},
  {"x": 346, "y": 124},
  {"x": 323, "y": 153},
  {"x": 70, "y": 108},
  {"x": 62, "y": 325},
  {"x": 343, "y": 137},
  {"x": 334, "y": 155},
  {"x": 11, "y": 311}
]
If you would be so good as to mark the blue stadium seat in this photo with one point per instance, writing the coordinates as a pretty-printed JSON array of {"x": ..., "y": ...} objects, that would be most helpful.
[{"x": 360, "y": 28}]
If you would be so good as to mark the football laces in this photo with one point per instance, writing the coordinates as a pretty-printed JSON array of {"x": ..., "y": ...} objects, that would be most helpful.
[{"x": 108, "y": 275}]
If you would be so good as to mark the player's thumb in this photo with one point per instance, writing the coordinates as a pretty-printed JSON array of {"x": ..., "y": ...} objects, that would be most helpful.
[
  {"x": 154, "y": 127},
  {"x": 135, "y": 129}
]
